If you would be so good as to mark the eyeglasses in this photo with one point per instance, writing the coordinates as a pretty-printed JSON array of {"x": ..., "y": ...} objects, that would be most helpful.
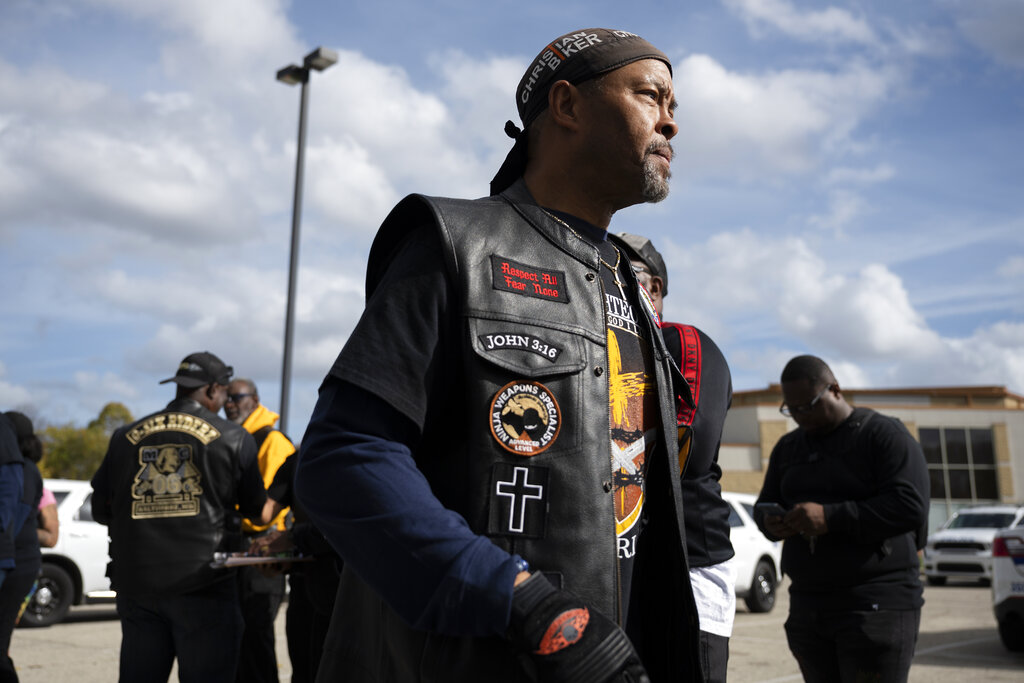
[
  {"x": 806, "y": 408},
  {"x": 235, "y": 398},
  {"x": 640, "y": 269}
]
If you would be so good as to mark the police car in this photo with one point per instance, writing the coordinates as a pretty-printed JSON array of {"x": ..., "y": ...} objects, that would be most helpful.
[
  {"x": 74, "y": 570},
  {"x": 1008, "y": 586}
]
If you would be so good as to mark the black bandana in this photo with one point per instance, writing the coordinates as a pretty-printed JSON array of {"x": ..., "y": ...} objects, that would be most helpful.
[{"x": 575, "y": 57}]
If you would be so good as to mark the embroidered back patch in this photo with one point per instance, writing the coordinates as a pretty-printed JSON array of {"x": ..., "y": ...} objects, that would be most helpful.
[
  {"x": 525, "y": 417},
  {"x": 519, "y": 278},
  {"x": 519, "y": 500},
  {"x": 167, "y": 484}
]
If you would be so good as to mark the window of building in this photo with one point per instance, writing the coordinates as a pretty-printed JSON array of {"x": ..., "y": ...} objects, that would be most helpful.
[{"x": 961, "y": 466}]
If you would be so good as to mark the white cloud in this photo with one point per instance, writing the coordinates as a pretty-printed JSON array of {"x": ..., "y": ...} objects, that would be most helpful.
[
  {"x": 755, "y": 288},
  {"x": 229, "y": 44},
  {"x": 995, "y": 26},
  {"x": 843, "y": 208},
  {"x": 1012, "y": 267},
  {"x": 860, "y": 176},
  {"x": 831, "y": 25},
  {"x": 756, "y": 125},
  {"x": 107, "y": 385},
  {"x": 12, "y": 395}
]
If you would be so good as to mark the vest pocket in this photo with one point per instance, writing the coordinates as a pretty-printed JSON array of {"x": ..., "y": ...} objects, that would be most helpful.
[
  {"x": 531, "y": 379},
  {"x": 528, "y": 350}
]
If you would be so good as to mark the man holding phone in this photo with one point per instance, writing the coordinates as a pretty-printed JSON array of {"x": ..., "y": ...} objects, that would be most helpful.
[{"x": 848, "y": 491}]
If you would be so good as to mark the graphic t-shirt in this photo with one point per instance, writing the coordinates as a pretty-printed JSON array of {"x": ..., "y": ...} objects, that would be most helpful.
[{"x": 632, "y": 404}]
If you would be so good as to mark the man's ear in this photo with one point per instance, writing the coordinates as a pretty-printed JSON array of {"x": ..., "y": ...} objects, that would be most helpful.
[
  {"x": 657, "y": 285},
  {"x": 564, "y": 104}
]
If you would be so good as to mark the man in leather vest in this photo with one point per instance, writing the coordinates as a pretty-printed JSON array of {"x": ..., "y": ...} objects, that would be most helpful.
[
  {"x": 852, "y": 487},
  {"x": 493, "y": 452},
  {"x": 168, "y": 489}
]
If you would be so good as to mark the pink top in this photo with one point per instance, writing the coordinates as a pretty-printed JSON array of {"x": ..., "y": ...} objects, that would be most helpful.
[{"x": 47, "y": 499}]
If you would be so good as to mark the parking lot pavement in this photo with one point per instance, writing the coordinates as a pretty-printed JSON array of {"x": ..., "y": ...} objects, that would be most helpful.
[{"x": 958, "y": 642}]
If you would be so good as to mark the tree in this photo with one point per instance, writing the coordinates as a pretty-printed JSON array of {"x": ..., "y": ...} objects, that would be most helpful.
[{"x": 71, "y": 452}]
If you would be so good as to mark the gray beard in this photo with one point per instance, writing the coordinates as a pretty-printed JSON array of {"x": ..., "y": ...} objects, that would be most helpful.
[{"x": 655, "y": 186}]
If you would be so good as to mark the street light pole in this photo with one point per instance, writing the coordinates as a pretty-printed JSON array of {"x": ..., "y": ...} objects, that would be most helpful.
[{"x": 319, "y": 59}]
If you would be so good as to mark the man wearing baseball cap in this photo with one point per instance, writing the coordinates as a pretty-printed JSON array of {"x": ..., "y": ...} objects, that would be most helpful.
[
  {"x": 493, "y": 452},
  {"x": 168, "y": 489}
]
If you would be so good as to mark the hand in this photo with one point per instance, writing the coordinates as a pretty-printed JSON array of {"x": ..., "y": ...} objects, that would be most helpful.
[
  {"x": 775, "y": 526},
  {"x": 569, "y": 642},
  {"x": 807, "y": 519},
  {"x": 274, "y": 541}
]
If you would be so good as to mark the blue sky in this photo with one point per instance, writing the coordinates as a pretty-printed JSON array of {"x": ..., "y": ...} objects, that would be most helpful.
[{"x": 847, "y": 180}]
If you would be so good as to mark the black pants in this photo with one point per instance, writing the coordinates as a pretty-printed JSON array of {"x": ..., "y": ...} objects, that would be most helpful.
[
  {"x": 13, "y": 590},
  {"x": 310, "y": 604},
  {"x": 854, "y": 647},
  {"x": 202, "y": 629},
  {"x": 714, "y": 657},
  {"x": 259, "y": 597}
]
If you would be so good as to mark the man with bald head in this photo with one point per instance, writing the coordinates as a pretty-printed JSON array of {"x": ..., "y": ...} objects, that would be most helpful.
[{"x": 493, "y": 452}]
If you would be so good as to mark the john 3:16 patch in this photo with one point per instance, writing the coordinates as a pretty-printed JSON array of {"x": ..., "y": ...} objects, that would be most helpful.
[{"x": 519, "y": 278}]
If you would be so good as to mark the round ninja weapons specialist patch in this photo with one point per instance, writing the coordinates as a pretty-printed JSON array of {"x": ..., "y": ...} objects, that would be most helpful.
[{"x": 525, "y": 418}]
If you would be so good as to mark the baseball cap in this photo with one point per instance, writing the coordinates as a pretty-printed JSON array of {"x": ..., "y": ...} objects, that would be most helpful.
[
  {"x": 575, "y": 57},
  {"x": 198, "y": 369},
  {"x": 645, "y": 251}
]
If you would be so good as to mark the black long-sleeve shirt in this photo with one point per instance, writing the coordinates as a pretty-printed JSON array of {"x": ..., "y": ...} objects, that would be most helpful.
[{"x": 871, "y": 477}]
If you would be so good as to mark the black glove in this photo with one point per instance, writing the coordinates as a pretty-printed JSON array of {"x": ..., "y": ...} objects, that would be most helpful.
[{"x": 568, "y": 642}]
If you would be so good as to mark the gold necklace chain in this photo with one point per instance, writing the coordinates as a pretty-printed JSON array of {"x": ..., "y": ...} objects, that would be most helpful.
[{"x": 618, "y": 255}]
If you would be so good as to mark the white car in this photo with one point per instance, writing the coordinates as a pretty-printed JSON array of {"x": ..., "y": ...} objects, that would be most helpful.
[
  {"x": 74, "y": 570},
  {"x": 1008, "y": 586},
  {"x": 757, "y": 559},
  {"x": 962, "y": 547}
]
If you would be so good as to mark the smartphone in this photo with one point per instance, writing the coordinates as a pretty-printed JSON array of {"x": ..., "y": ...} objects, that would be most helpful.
[{"x": 768, "y": 509}]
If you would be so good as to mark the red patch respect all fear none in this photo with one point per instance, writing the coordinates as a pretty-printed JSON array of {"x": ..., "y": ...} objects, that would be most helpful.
[{"x": 525, "y": 280}]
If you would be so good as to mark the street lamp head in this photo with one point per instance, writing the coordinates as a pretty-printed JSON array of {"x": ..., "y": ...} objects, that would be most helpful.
[
  {"x": 320, "y": 58},
  {"x": 293, "y": 75}
]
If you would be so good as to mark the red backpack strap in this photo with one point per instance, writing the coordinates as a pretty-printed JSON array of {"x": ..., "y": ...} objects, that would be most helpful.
[{"x": 690, "y": 366}]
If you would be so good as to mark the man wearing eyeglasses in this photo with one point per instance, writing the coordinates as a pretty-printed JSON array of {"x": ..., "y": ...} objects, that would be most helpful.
[
  {"x": 853, "y": 489},
  {"x": 168, "y": 490},
  {"x": 259, "y": 593}
]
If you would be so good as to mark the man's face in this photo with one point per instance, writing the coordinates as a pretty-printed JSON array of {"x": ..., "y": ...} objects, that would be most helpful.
[
  {"x": 241, "y": 401},
  {"x": 628, "y": 128},
  {"x": 652, "y": 284},
  {"x": 217, "y": 397},
  {"x": 826, "y": 412}
]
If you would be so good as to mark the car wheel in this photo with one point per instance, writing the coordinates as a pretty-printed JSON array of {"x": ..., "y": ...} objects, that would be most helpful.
[
  {"x": 936, "y": 580},
  {"x": 52, "y": 599},
  {"x": 1011, "y": 632},
  {"x": 761, "y": 597}
]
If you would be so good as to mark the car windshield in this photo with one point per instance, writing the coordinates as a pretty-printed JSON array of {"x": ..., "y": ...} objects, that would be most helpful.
[{"x": 981, "y": 520}]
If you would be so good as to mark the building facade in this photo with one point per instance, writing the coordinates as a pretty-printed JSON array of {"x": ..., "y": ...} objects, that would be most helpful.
[{"x": 973, "y": 440}]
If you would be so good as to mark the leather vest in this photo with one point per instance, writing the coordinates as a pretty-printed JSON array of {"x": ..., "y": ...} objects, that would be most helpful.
[
  {"x": 173, "y": 480},
  {"x": 526, "y": 455}
]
